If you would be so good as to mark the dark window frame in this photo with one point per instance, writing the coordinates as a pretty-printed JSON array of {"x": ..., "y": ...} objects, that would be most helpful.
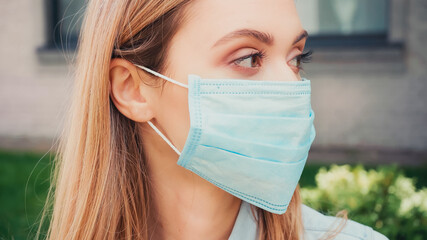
[
  {"x": 54, "y": 41},
  {"x": 350, "y": 41}
]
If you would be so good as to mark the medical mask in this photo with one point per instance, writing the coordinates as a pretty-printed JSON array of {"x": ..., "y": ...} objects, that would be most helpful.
[{"x": 250, "y": 138}]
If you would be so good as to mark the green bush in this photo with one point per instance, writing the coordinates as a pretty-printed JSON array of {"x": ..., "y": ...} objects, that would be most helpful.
[{"x": 383, "y": 198}]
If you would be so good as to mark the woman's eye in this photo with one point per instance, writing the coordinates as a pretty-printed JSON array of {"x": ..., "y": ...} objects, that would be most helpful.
[
  {"x": 298, "y": 61},
  {"x": 250, "y": 61}
]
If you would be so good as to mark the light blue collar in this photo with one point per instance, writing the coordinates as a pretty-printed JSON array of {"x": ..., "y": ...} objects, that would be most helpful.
[
  {"x": 245, "y": 226},
  {"x": 315, "y": 225}
]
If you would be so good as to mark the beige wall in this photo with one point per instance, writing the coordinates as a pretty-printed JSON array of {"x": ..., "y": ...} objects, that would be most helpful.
[{"x": 31, "y": 91}]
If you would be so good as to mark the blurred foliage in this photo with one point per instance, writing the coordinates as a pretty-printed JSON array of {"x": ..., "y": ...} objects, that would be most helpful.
[{"x": 382, "y": 198}]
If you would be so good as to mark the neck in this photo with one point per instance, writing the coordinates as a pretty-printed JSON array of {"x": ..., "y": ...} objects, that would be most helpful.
[{"x": 186, "y": 206}]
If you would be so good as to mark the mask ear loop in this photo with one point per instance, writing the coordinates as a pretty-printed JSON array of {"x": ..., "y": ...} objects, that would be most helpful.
[
  {"x": 149, "y": 122},
  {"x": 162, "y": 76},
  {"x": 164, "y": 137}
]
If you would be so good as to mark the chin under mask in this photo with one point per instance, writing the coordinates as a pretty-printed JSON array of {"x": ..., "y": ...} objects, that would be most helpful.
[{"x": 250, "y": 138}]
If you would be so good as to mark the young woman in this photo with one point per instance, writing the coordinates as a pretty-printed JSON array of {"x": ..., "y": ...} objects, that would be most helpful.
[{"x": 189, "y": 120}]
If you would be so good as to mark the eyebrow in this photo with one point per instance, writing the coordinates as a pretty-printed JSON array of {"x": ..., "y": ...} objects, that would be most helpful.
[
  {"x": 301, "y": 36},
  {"x": 260, "y": 36}
]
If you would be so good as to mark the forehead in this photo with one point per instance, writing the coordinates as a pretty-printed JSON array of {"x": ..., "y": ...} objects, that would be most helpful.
[{"x": 209, "y": 20}]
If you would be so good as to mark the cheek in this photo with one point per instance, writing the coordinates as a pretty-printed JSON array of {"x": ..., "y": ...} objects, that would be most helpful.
[{"x": 174, "y": 116}]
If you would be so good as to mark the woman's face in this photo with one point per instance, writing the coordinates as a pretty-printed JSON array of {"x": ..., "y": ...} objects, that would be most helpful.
[{"x": 241, "y": 39}]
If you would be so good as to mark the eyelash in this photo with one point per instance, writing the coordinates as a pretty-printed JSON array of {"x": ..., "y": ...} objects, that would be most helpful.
[
  {"x": 302, "y": 58},
  {"x": 259, "y": 54}
]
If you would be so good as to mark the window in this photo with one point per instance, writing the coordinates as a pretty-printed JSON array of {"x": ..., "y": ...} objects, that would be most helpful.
[
  {"x": 64, "y": 23},
  {"x": 345, "y": 22}
]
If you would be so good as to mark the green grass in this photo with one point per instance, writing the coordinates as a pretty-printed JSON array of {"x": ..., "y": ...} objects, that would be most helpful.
[
  {"x": 24, "y": 181},
  {"x": 23, "y": 188}
]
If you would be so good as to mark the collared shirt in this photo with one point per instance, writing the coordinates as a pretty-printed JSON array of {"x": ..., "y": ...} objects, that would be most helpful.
[{"x": 315, "y": 224}]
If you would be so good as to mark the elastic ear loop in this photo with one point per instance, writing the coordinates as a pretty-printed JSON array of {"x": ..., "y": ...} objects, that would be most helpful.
[
  {"x": 162, "y": 76},
  {"x": 149, "y": 122},
  {"x": 164, "y": 137}
]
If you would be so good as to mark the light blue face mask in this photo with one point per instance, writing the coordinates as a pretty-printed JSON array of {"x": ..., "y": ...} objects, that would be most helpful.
[{"x": 249, "y": 138}]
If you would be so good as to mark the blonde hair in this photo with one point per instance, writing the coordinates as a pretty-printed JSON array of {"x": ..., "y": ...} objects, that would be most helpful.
[{"x": 101, "y": 187}]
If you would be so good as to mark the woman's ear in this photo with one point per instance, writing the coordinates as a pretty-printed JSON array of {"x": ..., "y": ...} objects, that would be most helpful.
[{"x": 128, "y": 93}]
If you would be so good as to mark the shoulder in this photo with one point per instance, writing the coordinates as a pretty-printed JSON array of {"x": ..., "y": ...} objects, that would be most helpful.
[{"x": 317, "y": 224}]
